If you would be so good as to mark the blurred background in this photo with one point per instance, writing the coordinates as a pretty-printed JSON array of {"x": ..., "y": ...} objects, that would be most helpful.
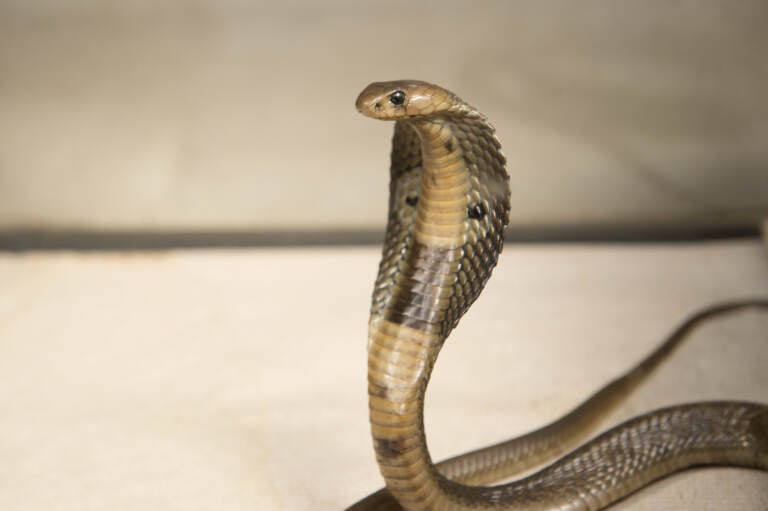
[{"x": 232, "y": 122}]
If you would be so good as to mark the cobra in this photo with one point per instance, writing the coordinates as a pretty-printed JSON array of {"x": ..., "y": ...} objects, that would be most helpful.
[{"x": 448, "y": 208}]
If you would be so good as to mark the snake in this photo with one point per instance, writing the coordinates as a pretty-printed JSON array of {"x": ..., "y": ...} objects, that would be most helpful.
[{"x": 449, "y": 205}]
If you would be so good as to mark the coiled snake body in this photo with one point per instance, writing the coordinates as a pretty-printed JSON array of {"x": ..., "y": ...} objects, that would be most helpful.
[{"x": 449, "y": 203}]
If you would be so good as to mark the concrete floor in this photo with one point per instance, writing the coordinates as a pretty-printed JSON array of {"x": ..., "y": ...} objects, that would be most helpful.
[{"x": 235, "y": 379}]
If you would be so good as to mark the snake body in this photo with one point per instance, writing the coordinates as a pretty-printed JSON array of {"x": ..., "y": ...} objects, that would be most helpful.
[{"x": 448, "y": 207}]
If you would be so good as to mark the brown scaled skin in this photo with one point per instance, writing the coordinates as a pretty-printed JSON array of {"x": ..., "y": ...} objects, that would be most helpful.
[{"x": 449, "y": 202}]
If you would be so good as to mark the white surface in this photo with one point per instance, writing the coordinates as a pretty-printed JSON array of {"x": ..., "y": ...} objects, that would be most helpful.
[
  {"x": 239, "y": 115},
  {"x": 236, "y": 379}
]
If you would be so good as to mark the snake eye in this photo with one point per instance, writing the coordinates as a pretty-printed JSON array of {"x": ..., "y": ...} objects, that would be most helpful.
[{"x": 397, "y": 98}]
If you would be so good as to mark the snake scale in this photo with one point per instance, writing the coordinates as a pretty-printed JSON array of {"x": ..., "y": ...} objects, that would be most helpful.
[{"x": 448, "y": 208}]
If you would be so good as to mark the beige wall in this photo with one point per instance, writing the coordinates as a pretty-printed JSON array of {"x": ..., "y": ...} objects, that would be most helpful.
[{"x": 239, "y": 115}]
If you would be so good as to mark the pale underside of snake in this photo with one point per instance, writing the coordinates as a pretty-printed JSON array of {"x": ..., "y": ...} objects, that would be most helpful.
[{"x": 448, "y": 208}]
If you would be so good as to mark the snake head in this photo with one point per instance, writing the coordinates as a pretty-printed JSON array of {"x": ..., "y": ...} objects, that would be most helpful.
[{"x": 405, "y": 98}]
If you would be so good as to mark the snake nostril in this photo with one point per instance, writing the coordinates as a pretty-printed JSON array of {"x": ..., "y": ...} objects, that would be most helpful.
[{"x": 377, "y": 106}]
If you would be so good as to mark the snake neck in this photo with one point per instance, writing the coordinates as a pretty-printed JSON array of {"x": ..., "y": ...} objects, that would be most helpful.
[
  {"x": 441, "y": 212},
  {"x": 439, "y": 274}
]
